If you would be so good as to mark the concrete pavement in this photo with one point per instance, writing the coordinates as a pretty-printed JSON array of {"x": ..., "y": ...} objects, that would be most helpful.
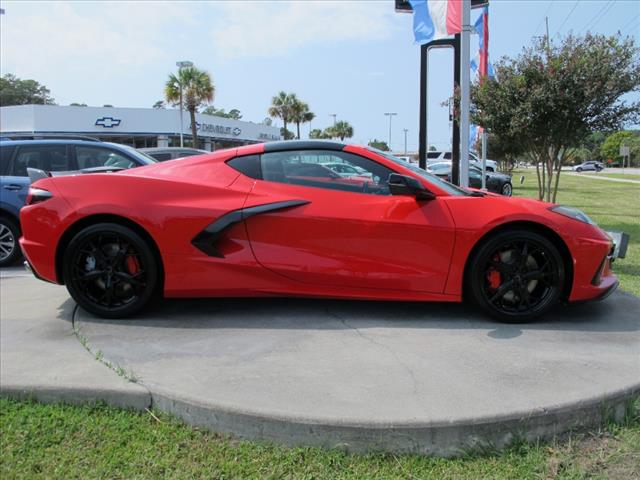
[
  {"x": 41, "y": 357},
  {"x": 403, "y": 377}
]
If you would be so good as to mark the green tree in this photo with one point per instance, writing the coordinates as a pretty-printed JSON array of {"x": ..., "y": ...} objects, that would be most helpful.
[
  {"x": 159, "y": 105},
  {"x": 267, "y": 121},
  {"x": 281, "y": 108},
  {"x": 234, "y": 113},
  {"x": 286, "y": 134},
  {"x": 340, "y": 130},
  {"x": 611, "y": 147},
  {"x": 547, "y": 101},
  {"x": 300, "y": 112},
  {"x": 76, "y": 104},
  {"x": 317, "y": 133},
  {"x": 197, "y": 90},
  {"x": 379, "y": 144},
  {"x": 14, "y": 91}
]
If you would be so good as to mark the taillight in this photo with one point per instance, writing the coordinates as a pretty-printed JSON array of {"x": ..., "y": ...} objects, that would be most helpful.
[{"x": 37, "y": 195}]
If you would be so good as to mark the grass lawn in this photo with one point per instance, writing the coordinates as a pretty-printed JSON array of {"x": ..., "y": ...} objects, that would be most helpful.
[
  {"x": 613, "y": 205},
  {"x": 54, "y": 441}
]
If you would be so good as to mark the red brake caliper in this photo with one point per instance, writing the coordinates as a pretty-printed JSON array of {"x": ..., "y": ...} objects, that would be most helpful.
[
  {"x": 132, "y": 264},
  {"x": 493, "y": 276}
]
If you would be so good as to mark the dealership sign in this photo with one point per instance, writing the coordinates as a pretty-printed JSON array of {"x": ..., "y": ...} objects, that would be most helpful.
[
  {"x": 217, "y": 129},
  {"x": 107, "y": 122}
]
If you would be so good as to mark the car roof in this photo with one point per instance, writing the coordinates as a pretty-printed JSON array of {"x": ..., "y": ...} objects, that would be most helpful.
[
  {"x": 171, "y": 149},
  {"x": 56, "y": 141}
]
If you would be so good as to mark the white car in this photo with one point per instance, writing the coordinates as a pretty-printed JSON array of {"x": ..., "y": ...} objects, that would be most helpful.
[{"x": 438, "y": 156}]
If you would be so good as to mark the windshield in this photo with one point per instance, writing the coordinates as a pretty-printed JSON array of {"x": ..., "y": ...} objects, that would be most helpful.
[{"x": 432, "y": 179}]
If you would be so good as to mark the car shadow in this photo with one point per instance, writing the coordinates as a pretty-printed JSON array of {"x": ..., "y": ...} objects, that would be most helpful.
[{"x": 618, "y": 313}]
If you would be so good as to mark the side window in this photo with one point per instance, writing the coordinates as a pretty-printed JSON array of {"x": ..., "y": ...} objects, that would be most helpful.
[
  {"x": 248, "y": 165},
  {"x": 90, "y": 157},
  {"x": 5, "y": 158},
  {"x": 317, "y": 168},
  {"x": 447, "y": 156},
  {"x": 52, "y": 158},
  {"x": 161, "y": 157}
]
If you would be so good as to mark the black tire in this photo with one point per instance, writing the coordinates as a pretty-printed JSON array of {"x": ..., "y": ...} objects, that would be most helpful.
[
  {"x": 579, "y": 169},
  {"x": 516, "y": 276},
  {"x": 9, "y": 247},
  {"x": 110, "y": 270},
  {"x": 507, "y": 189}
]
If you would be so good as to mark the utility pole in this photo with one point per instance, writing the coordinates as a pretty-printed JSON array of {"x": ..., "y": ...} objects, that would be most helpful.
[
  {"x": 390, "y": 115},
  {"x": 464, "y": 92},
  {"x": 405, "y": 141},
  {"x": 546, "y": 19},
  {"x": 181, "y": 65},
  {"x": 334, "y": 115}
]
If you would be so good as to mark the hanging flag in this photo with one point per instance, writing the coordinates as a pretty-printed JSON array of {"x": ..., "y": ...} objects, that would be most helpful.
[
  {"x": 436, "y": 19},
  {"x": 482, "y": 29}
]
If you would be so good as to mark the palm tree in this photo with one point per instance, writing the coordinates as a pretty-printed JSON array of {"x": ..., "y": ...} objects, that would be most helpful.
[
  {"x": 281, "y": 107},
  {"x": 341, "y": 130},
  {"x": 317, "y": 133},
  {"x": 197, "y": 89},
  {"x": 300, "y": 112}
]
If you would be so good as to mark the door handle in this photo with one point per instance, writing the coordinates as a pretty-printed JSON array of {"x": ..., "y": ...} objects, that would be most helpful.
[{"x": 12, "y": 186}]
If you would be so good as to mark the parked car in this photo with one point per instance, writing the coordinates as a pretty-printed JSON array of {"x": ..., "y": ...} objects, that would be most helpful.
[
  {"x": 440, "y": 156},
  {"x": 54, "y": 156},
  {"x": 162, "y": 154},
  {"x": 250, "y": 222},
  {"x": 495, "y": 182},
  {"x": 346, "y": 170},
  {"x": 589, "y": 165}
]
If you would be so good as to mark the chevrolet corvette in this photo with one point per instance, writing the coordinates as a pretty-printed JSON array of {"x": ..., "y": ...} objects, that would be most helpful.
[{"x": 271, "y": 220}]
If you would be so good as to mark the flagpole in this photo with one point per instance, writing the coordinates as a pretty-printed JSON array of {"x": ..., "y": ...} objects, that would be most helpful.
[{"x": 464, "y": 92}]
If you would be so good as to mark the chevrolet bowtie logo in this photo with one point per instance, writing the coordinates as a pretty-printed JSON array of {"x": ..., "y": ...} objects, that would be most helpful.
[{"x": 108, "y": 122}]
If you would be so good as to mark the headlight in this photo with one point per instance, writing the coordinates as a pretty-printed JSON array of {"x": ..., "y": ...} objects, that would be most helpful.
[{"x": 572, "y": 212}]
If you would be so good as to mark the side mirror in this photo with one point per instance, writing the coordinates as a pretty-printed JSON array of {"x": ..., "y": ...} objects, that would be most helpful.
[{"x": 406, "y": 185}]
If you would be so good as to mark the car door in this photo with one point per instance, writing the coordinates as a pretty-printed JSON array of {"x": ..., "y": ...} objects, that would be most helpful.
[
  {"x": 352, "y": 234},
  {"x": 49, "y": 157}
]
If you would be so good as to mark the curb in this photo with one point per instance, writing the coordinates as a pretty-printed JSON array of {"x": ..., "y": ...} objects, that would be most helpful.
[
  {"x": 140, "y": 399},
  {"x": 437, "y": 439}
]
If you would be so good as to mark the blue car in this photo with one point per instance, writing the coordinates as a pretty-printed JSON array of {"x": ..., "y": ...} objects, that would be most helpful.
[{"x": 54, "y": 156}]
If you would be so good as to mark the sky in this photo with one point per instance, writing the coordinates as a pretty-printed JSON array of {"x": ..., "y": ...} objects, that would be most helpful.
[{"x": 356, "y": 58}]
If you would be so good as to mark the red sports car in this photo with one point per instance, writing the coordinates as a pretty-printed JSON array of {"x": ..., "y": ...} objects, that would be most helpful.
[{"x": 269, "y": 220}]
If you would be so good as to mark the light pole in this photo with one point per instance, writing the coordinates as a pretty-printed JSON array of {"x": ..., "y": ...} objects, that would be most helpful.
[
  {"x": 390, "y": 115},
  {"x": 182, "y": 64},
  {"x": 405, "y": 141},
  {"x": 334, "y": 115}
]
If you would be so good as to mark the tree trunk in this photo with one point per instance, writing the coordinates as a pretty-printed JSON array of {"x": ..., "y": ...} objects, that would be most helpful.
[
  {"x": 194, "y": 128},
  {"x": 298, "y": 128},
  {"x": 284, "y": 120}
]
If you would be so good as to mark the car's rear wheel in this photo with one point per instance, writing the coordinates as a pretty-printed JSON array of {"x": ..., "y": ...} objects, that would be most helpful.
[
  {"x": 579, "y": 169},
  {"x": 110, "y": 270},
  {"x": 516, "y": 276},
  {"x": 9, "y": 234},
  {"x": 507, "y": 189}
]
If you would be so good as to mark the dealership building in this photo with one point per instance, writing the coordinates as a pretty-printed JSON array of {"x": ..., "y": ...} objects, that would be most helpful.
[{"x": 137, "y": 127}]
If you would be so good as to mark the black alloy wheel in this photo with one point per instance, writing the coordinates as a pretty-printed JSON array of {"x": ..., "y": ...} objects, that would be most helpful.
[
  {"x": 507, "y": 189},
  {"x": 517, "y": 276},
  {"x": 110, "y": 270},
  {"x": 9, "y": 234}
]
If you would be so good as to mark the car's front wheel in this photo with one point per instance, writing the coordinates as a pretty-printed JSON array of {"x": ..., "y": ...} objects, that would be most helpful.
[
  {"x": 579, "y": 169},
  {"x": 9, "y": 234},
  {"x": 110, "y": 270},
  {"x": 516, "y": 276},
  {"x": 507, "y": 189}
]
